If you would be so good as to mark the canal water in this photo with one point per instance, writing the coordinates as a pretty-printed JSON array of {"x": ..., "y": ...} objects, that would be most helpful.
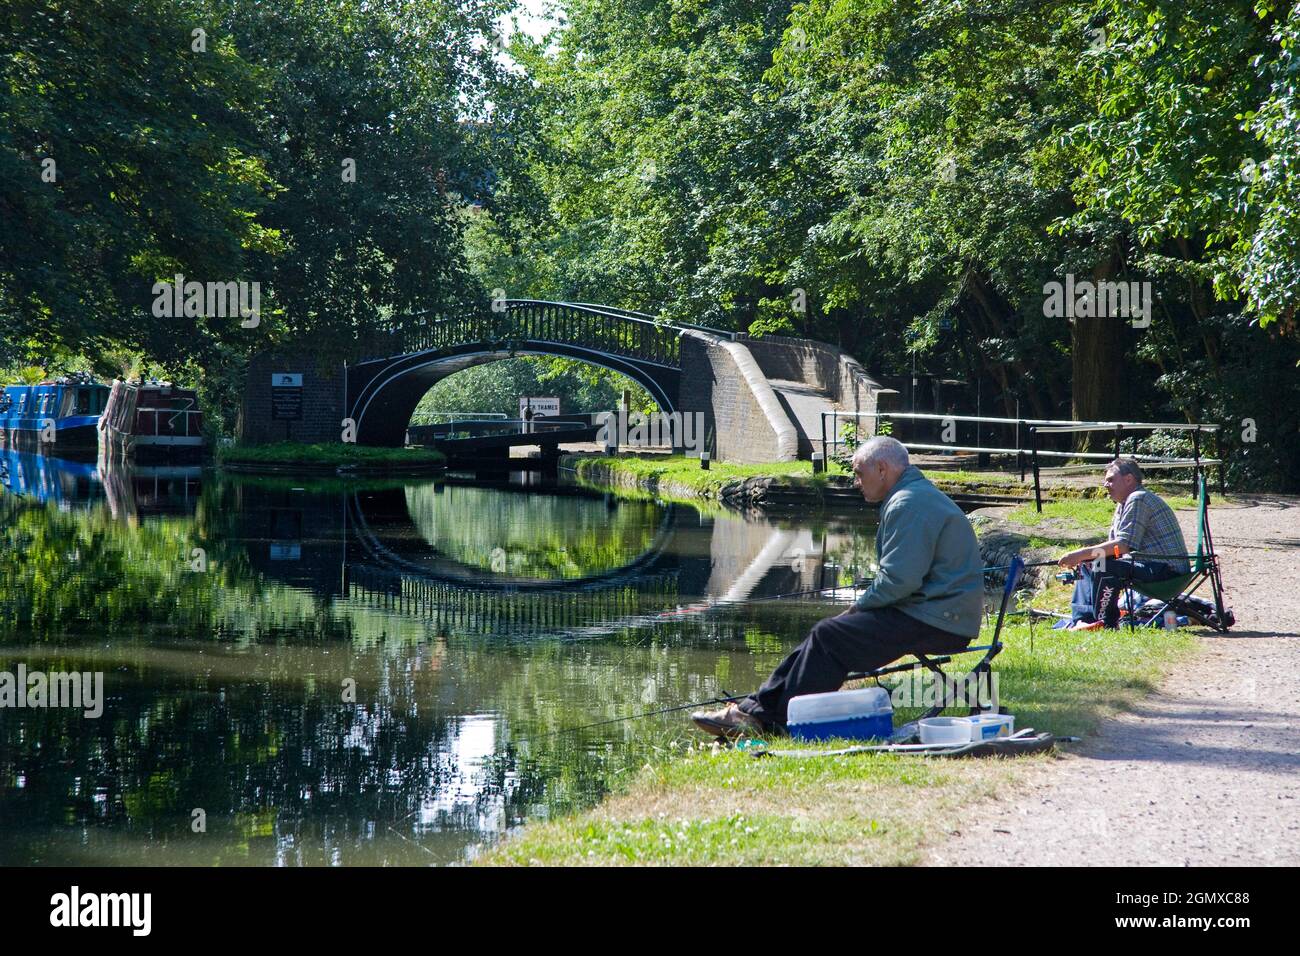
[{"x": 332, "y": 672}]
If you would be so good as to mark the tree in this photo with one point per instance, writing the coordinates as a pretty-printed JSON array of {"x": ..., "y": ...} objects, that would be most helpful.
[{"x": 126, "y": 155}]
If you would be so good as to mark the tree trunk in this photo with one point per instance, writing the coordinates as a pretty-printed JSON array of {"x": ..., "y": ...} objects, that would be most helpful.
[{"x": 1097, "y": 364}]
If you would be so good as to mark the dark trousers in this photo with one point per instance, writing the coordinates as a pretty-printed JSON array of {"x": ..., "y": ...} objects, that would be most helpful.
[
  {"x": 1096, "y": 593},
  {"x": 837, "y": 646}
]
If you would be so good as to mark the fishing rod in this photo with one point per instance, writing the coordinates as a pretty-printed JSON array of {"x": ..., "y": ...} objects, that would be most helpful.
[
  {"x": 1024, "y": 564},
  {"x": 865, "y": 581}
]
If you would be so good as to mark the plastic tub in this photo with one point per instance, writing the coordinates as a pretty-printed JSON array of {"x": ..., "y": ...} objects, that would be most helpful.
[
  {"x": 945, "y": 730},
  {"x": 990, "y": 726},
  {"x": 855, "y": 714}
]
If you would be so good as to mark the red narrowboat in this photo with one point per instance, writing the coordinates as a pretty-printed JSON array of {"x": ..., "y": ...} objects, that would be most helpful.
[{"x": 151, "y": 421}]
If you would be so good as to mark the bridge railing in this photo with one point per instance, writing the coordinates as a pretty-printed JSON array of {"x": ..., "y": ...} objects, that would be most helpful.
[{"x": 616, "y": 332}]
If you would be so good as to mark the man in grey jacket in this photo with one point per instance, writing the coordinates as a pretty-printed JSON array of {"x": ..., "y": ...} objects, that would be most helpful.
[{"x": 927, "y": 597}]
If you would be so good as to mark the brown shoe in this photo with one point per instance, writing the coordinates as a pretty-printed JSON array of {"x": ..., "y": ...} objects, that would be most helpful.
[{"x": 728, "y": 722}]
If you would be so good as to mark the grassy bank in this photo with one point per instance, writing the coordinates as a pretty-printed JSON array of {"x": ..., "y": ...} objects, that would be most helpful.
[
  {"x": 681, "y": 478},
  {"x": 1085, "y": 514},
  {"x": 705, "y": 805},
  {"x": 329, "y": 457}
]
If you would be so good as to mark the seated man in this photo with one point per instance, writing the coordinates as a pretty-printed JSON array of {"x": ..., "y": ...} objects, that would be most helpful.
[
  {"x": 927, "y": 597},
  {"x": 1142, "y": 523}
]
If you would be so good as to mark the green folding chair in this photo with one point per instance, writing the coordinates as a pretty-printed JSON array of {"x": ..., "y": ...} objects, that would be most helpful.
[{"x": 1177, "y": 593}]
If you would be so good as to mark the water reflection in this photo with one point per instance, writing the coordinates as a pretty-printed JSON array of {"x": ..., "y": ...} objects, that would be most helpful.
[
  {"x": 365, "y": 674},
  {"x": 131, "y": 490}
]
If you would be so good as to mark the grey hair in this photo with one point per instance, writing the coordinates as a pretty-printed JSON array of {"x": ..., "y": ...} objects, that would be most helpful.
[
  {"x": 882, "y": 448},
  {"x": 1126, "y": 466}
]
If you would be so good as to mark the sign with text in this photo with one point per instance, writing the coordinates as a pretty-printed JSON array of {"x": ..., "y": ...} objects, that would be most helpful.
[
  {"x": 286, "y": 396},
  {"x": 540, "y": 406}
]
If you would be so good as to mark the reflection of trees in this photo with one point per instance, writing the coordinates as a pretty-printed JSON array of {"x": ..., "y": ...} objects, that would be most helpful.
[
  {"x": 63, "y": 572},
  {"x": 854, "y": 552},
  {"x": 276, "y": 759},
  {"x": 538, "y": 536}
]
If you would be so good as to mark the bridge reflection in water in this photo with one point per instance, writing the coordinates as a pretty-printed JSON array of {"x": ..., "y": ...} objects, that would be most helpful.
[{"x": 564, "y": 562}]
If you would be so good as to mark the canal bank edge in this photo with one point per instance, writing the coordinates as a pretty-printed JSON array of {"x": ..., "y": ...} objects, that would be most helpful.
[{"x": 291, "y": 459}]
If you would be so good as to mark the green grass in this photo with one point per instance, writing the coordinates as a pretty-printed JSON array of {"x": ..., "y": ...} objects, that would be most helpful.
[
  {"x": 1084, "y": 514},
  {"x": 704, "y": 805},
  {"x": 332, "y": 453},
  {"x": 941, "y": 476},
  {"x": 684, "y": 473},
  {"x": 1071, "y": 513}
]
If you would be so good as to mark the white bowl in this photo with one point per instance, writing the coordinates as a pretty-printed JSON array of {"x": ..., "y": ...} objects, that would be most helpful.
[{"x": 945, "y": 730}]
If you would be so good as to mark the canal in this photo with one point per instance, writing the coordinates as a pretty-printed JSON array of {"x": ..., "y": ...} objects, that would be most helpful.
[{"x": 329, "y": 672}]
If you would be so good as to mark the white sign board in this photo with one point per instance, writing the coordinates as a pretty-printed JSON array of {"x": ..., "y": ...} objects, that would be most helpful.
[
  {"x": 540, "y": 406},
  {"x": 286, "y": 380}
]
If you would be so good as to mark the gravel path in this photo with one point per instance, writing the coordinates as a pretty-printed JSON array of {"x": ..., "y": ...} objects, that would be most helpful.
[{"x": 1205, "y": 771}]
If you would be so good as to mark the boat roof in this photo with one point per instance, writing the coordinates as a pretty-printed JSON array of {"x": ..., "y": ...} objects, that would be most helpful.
[{"x": 66, "y": 381}]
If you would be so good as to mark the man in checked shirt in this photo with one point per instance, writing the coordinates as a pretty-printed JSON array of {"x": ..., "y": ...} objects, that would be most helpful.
[{"x": 1143, "y": 524}]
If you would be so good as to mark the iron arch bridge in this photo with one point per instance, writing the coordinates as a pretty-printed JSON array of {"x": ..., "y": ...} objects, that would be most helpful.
[{"x": 382, "y": 391}]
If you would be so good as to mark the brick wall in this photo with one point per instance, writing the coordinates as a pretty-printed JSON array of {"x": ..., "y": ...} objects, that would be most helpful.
[
  {"x": 322, "y": 400},
  {"x": 826, "y": 367},
  {"x": 736, "y": 426}
]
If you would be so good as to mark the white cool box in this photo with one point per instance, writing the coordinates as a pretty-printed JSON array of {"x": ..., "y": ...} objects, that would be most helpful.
[{"x": 856, "y": 714}]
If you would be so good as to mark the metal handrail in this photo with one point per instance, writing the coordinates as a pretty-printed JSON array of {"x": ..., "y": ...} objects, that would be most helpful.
[
  {"x": 1044, "y": 425},
  {"x": 632, "y": 313},
  {"x": 634, "y": 334},
  {"x": 175, "y": 413},
  {"x": 1048, "y": 426}
]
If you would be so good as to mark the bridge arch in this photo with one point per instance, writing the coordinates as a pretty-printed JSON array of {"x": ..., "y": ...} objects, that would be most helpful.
[{"x": 381, "y": 393}]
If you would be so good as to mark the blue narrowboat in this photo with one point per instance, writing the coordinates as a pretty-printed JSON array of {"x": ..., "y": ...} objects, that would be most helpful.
[{"x": 56, "y": 417}]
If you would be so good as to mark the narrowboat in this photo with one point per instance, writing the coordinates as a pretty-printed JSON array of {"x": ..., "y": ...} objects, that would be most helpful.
[
  {"x": 151, "y": 421},
  {"x": 57, "y": 417}
]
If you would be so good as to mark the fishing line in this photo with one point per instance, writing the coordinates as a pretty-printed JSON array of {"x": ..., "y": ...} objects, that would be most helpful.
[{"x": 619, "y": 720}]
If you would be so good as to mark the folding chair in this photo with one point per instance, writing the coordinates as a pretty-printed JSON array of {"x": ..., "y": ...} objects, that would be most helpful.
[
  {"x": 935, "y": 664},
  {"x": 1176, "y": 593}
]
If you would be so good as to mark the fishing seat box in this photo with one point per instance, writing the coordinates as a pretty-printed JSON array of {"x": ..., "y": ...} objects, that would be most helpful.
[{"x": 854, "y": 714}]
